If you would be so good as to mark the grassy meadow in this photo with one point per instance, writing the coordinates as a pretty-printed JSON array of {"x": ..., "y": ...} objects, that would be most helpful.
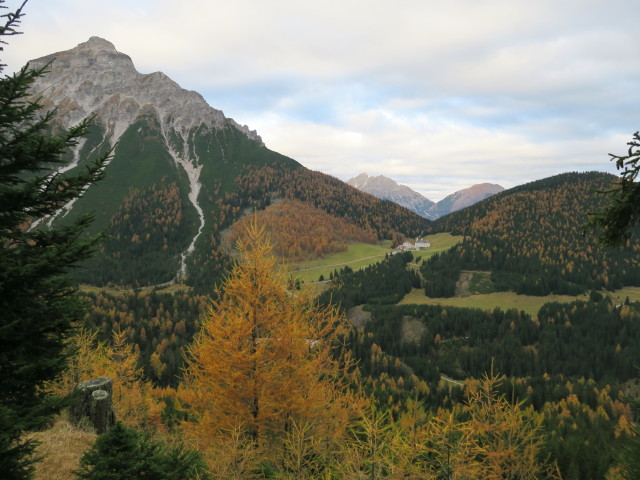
[
  {"x": 502, "y": 300},
  {"x": 509, "y": 300},
  {"x": 361, "y": 255},
  {"x": 172, "y": 288},
  {"x": 439, "y": 243},
  {"x": 357, "y": 256}
]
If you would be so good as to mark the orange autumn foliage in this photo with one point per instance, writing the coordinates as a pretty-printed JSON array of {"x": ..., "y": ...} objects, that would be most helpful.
[
  {"x": 508, "y": 438},
  {"x": 300, "y": 231},
  {"x": 265, "y": 357}
]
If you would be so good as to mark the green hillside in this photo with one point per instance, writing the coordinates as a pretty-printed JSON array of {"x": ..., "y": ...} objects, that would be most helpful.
[
  {"x": 181, "y": 173},
  {"x": 533, "y": 241},
  {"x": 237, "y": 175}
]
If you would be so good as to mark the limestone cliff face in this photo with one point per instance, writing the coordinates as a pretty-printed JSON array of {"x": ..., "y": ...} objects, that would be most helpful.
[{"x": 94, "y": 78}]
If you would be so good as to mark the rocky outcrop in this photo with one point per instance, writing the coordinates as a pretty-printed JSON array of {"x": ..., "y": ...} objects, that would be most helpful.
[{"x": 94, "y": 78}]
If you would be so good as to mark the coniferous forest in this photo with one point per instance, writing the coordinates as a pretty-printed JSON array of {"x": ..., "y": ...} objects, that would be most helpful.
[{"x": 533, "y": 241}]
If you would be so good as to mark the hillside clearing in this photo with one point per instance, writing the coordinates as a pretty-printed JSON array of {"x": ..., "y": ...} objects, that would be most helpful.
[
  {"x": 60, "y": 449},
  {"x": 439, "y": 243},
  {"x": 508, "y": 300},
  {"x": 118, "y": 291},
  {"x": 502, "y": 300},
  {"x": 619, "y": 296},
  {"x": 357, "y": 256},
  {"x": 361, "y": 255}
]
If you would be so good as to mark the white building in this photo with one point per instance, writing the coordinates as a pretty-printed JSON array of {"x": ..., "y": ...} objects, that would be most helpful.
[{"x": 422, "y": 244}]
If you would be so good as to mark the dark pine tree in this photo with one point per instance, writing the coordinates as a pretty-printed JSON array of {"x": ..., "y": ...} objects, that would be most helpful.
[
  {"x": 123, "y": 453},
  {"x": 38, "y": 305}
]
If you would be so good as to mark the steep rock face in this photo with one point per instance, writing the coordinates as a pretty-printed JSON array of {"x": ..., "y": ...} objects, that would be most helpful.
[
  {"x": 94, "y": 78},
  {"x": 387, "y": 189}
]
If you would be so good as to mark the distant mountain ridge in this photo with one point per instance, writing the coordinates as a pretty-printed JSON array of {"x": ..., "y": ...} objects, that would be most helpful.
[
  {"x": 466, "y": 197},
  {"x": 387, "y": 189}
]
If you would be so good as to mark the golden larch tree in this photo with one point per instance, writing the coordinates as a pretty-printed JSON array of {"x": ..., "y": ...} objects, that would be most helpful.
[
  {"x": 508, "y": 437},
  {"x": 265, "y": 357},
  {"x": 133, "y": 400}
]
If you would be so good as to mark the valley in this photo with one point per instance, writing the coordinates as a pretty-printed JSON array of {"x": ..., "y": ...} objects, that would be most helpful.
[{"x": 358, "y": 256}]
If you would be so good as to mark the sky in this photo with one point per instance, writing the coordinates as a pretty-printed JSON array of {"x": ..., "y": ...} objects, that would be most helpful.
[{"x": 438, "y": 95}]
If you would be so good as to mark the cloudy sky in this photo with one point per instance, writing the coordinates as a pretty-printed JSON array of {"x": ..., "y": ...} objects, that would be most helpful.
[{"x": 438, "y": 95}]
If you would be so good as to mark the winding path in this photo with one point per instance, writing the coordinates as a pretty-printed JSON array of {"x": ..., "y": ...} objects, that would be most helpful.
[{"x": 450, "y": 380}]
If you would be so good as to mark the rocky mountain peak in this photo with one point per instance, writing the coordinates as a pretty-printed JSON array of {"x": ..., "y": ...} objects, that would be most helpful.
[
  {"x": 468, "y": 196},
  {"x": 95, "y": 79},
  {"x": 359, "y": 182},
  {"x": 96, "y": 53},
  {"x": 388, "y": 189},
  {"x": 97, "y": 43}
]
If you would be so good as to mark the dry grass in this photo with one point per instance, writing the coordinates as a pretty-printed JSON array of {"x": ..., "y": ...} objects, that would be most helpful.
[
  {"x": 358, "y": 317},
  {"x": 619, "y": 296},
  {"x": 60, "y": 449}
]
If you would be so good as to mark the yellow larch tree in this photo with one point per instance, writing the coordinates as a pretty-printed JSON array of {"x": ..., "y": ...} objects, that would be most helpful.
[
  {"x": 447, "y": 448},
  {"x": 508, "y": 437},
  {"x": 266, "y": 358},
  {"x": 133, "y": 400}
]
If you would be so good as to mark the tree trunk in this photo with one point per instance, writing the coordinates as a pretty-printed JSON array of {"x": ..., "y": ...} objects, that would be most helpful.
[{"x": 94, "y": 404}]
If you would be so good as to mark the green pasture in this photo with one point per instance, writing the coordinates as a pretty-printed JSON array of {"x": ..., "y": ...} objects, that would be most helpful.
[
  {"x": 361, "y": 255},
  {"x": 509, "y": 300},
  {"x": 439, "y": 243},
  {"x": 502, "y": 300},
  {"x": 118, "y": 291},
  {"x": 357, "y": 256}
]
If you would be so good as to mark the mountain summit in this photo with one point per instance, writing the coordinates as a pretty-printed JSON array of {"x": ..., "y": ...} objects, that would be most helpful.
[
  {"x": 94, "y": 78},
  {"x": 466, "y": 197},
  {"x": 387, "y": 189}
]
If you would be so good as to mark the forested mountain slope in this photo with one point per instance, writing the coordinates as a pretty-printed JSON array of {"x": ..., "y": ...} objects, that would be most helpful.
[
  {"x": 533, "y": 241},
  {"x": 180, "y": 173}
]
